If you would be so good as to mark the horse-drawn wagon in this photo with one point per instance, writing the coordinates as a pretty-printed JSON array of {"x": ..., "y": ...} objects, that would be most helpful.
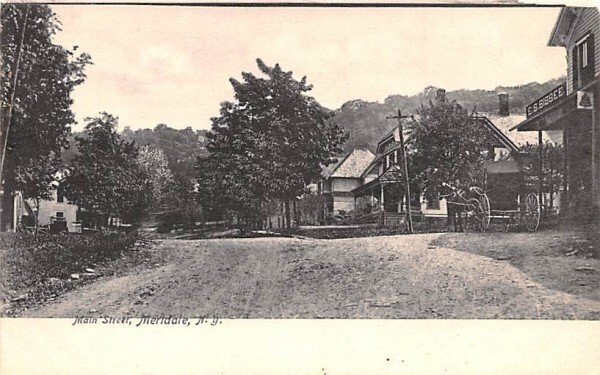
[{"x": 472, "y": 209}]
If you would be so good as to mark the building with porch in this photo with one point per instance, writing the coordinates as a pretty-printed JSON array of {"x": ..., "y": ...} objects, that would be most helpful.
[
  {"x": 572, "y": 108},
  {"x": 381, "y": 193}
]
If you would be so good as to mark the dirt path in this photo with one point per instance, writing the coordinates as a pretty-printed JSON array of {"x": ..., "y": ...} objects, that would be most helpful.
[{"x": 377, "y": 277}]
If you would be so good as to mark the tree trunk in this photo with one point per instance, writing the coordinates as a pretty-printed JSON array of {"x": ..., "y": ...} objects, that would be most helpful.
[
  {"x": 287, "y": 214},
  {"x": 295, "y": 208},
  {"x": 37, "y": 215},
  {"x": 6, "y": 117},
  {"x": 551, "y": 195}
]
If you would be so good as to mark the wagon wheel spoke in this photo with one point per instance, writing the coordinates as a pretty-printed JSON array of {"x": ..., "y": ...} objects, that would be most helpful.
[{"x": 532, "y": 212}]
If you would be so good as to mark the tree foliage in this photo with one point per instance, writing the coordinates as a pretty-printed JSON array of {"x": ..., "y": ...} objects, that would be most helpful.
[
  {"x": 267, "y": 144},
  {"x": 181, "y": 147},
  {"x": 446, "y": 145},
  {"x": 154, "y": 165},
  {"x": 41, "y": 118},
  {"x": 552, "y": 167},
  {"x": 105, "y": 176}
]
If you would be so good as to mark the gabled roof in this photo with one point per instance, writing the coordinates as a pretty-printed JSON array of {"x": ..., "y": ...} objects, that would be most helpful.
[
  {"x": 351, "y": 166},
  {"x": 563, "y": 26},
  {"x": 502, "y": 126}
]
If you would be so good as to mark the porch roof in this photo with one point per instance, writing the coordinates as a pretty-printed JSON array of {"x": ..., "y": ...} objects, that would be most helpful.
[
  {"x": 551, "y": 118},
  {"x": 392, "y": 175}
]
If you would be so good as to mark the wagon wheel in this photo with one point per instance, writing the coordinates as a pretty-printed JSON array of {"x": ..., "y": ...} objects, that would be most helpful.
[
  {"x": 532, "y": 212},
  {"x": 479, "y": 213}
]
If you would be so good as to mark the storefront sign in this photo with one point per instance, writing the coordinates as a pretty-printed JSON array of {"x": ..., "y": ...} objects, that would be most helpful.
[{"x": 547, "y": 100}]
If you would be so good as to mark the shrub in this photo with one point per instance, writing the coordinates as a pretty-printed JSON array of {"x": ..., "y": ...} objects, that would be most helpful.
[{"x": 40, "y": 267}]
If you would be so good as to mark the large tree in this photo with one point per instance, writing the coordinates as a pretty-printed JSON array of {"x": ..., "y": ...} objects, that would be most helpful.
[
  {"x": 153, "y": 163},
  {"x": 273, "y": 138},
  {"x": 37, "y": 80},
  {"x": 105, "y": 176},
  {"x": 446, "y": 144}
]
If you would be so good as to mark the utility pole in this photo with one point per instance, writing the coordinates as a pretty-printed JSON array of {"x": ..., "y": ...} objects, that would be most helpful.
[
  {"x": 406, "y": 179},
  {"x": 7, "y": 116}
]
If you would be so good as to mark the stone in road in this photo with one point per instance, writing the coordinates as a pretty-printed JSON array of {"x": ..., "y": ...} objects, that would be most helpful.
[{"x": 376, "y": 277}]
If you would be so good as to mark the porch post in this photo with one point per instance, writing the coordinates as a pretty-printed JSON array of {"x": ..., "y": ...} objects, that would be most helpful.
[
  {"x": 382, "y": 196},
  {"x": 564, "y": 198},
  {"x": 595, "y": 151},
  {"x": 372, "y": 199},
  {"x": 540, "y": 165}
]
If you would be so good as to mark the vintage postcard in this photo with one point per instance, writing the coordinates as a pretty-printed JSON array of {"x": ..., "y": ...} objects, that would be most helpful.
[{"x": 305, "y": 187}]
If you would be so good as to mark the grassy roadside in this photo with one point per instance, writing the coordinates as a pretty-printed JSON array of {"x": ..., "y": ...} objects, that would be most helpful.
[
  {"x": 565, "y": 258},
  {"x": 39, "y": 269}
]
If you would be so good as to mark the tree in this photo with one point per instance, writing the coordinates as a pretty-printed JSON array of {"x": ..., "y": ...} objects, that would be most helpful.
[
  {"x": 37, "y": 79},
  {"x": 105, "y": 177},
  {"x": 552, "y": 170},
  {"x": 447, "y": 145},
  {"x": 154, "y": 165},
  {"x": 225, "y": 188},
  {"x": 181, "y": 148},
  {"x": 273, "y": 138}
]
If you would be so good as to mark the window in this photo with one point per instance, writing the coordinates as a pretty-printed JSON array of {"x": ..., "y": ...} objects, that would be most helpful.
[
  {"x": 60, "y": 198},
  {"x": 583, "y": 61},
  {"x": 60, "y": 215},
  {"x": 433, "y": 203}
]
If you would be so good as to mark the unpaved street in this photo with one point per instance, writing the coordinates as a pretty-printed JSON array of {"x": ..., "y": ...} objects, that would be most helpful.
[{"x": 376, "y": 277}]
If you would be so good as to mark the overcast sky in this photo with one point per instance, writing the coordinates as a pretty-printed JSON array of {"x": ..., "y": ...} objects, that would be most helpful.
[{"x": 172, "y": 64}]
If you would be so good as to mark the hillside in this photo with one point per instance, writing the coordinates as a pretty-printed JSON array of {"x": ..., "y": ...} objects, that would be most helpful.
[
  {"x": 366, "y": 121},
  {"x": 181, "y": 146}
]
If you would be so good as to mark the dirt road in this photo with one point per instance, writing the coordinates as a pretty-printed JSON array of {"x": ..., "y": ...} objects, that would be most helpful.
[{"x": 377, "y": 277}]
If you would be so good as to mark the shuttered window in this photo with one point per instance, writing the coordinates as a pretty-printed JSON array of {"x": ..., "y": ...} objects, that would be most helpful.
[{"x": 583, "y": 61}]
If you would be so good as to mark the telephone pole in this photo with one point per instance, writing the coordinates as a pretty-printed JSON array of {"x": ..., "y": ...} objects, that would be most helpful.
[{"x": 405, "y": 162}]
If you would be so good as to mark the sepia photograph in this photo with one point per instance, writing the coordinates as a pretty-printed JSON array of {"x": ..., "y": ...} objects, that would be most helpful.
[{"x": 187, "y": 163}]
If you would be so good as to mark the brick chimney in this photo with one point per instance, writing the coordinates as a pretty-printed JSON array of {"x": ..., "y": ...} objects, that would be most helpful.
[
  {"x": 440, "y": 95},
  {"x": 503, "y": 108}
]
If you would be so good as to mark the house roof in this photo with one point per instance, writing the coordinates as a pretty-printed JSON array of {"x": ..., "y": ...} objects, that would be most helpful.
[
  {"x": 504, "y": 124},
  {"x": 562, "y": 27},
  {"x": 502, "y": 167},
  {"x": 351, "y": 166}
]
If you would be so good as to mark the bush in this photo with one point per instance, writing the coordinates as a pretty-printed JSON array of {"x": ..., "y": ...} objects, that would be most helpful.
[{"x": 40, "y": 267}]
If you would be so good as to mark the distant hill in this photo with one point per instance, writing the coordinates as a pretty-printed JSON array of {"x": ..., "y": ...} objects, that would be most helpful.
[{"x": 366, "y": 121}]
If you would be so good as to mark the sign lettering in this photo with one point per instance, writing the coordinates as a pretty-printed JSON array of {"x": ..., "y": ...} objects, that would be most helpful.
[{"x": 547, "y": 100}]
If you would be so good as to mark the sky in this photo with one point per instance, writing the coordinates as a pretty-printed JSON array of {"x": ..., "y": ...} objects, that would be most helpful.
[{"x": 172, "y": 64}]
